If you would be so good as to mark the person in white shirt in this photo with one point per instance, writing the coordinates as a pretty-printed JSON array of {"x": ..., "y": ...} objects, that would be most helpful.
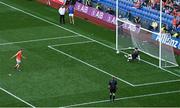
[{"x": 62, "y": 11}]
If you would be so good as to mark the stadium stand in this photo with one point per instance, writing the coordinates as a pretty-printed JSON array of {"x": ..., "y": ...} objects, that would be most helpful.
[{"x": 147, "y": 14}]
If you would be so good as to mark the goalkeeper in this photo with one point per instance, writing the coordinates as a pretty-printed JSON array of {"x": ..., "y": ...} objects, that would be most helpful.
[{"x": 134, "y": 56}]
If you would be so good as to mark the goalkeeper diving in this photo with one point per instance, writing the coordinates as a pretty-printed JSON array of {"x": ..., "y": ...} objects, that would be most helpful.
[{"x": 134, "y": 56}]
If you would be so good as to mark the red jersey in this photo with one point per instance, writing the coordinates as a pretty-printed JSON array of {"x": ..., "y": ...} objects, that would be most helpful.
[{"x": 19, "y": 55}]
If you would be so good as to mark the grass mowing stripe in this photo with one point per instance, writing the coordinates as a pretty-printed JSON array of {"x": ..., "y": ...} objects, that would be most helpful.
[
  {"x": 42, "y": 19},
  {"x": 37, "y": 40},
  {"x": 90, "y": 65},
  {"x": 123, "y": 98},
  {"x": 17, "y": 97}
]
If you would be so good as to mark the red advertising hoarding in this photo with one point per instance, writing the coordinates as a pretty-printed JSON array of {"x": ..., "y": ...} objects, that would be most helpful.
[
  {"x": 53, "y": 3},
  {"x": 62, "y": 2}
]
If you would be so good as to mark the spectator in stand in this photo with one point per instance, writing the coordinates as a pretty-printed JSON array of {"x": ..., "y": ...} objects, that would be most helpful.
[
  {"x": 174, "y": 22},
  {"x": 176, "y": 35},
  {"x": 68, "y": 2},
  {"x": 80, "y": 1},
  {"x": 174, "y": 13},
  {"x": 145, "y": 3},
  {"x": 137, "y": 4},
  {"x": 110, "y": 11},
  {"x": 167, "y": 10},
  {"x": 169, "y": 3},
  {"x": 128, "y": 15},
  {"x": 137, "y": 20},
  {"x": 157, "y": 5},
  {"x": 178, "y": 27},
  {"x": 99, "y": 7},
  {"x": 154, "y": 26},
  {"x": 88, "y": 3},
  {"x": 152, "y": 3},
  {"x": 164, "y": 28}
]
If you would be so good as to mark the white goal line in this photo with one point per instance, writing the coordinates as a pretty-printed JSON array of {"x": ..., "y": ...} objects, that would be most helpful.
[
  {"x": 134, "y": 85},
  {"x": 123, "y": 98},
  {"x": 42, "y": 19},
  {"x": 100, "y": 70}
]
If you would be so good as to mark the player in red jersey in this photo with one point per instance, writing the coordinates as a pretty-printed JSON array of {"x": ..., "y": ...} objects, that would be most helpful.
[{"x": 19, "y": 57}]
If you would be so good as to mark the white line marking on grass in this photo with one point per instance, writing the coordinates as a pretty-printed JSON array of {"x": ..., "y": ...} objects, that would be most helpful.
[
  {"x": 123, "y": 98},
  {"x": 37, "y": 40},
  {"x": 135, "y": 85},
  {"x": 90, "y": 65},
  {"x": 155, "y": 65},
  {"x": 42, "y": 19},
  {"x": 17, "y": 97},
  {"x": 74, "y": 43},
  {"x": 153, "y": 83},
  {"x": 178, "y": 75}
]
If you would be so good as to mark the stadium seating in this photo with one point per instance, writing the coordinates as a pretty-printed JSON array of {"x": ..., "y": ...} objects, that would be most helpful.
[{"x": 144, "y": 12}]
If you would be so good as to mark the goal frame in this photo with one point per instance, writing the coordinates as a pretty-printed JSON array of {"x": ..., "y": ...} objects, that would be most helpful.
[{"x": 159, "y": 34}]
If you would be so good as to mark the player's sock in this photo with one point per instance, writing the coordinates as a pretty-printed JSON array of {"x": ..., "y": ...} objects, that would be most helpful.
[
  {"x": 110, "y": 97},
  {"x": 113, "y": 98}
]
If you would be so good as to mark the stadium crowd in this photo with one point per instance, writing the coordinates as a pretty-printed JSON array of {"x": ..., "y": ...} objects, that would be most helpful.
[{"x": 170, "y": 7}]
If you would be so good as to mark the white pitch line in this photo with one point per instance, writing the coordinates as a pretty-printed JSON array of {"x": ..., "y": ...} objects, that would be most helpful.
[
  {"x": 154, "y": 65},
  {"x": 37, "y": 40},
  {"x": 123, "y": 98},
  {"x": 153, "y": 83},
  {"x": 135, "y": 85},
  {"x": 90, "y": 65},
  {"x": 42, "y": 19},
  {"x": 67, "y": 29},
  {"x": 74, "y": 43},
  {"x": 17, "y": 97},
  {"x": 168, "y": 71}
]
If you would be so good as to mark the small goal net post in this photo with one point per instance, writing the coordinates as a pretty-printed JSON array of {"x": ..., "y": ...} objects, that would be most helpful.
[{"x": 154, "y": 45}]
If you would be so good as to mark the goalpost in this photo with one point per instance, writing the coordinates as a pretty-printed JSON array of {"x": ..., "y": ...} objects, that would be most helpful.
[{"x": 153, "y": 44}]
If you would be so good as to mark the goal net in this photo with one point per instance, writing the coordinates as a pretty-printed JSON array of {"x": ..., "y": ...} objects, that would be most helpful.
[{"x": 155, "y": 47}]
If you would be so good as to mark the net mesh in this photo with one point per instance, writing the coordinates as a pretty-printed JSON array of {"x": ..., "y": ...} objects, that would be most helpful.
[{"x": 131, "y": 36}]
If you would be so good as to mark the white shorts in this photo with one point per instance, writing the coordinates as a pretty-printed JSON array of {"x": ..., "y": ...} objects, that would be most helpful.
[
  {"x": 18, "y": 61},
  {"x": 71, "y": 15}
]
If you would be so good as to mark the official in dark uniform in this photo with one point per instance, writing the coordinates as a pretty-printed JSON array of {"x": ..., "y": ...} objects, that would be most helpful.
[{"x": 112, "y": 89}]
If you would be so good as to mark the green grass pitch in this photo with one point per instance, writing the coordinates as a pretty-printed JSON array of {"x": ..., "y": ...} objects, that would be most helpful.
[{"x": 70, "y": 65}]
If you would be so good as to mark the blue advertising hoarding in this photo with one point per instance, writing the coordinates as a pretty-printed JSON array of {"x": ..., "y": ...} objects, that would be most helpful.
[{"x": 167, "y": 39}]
